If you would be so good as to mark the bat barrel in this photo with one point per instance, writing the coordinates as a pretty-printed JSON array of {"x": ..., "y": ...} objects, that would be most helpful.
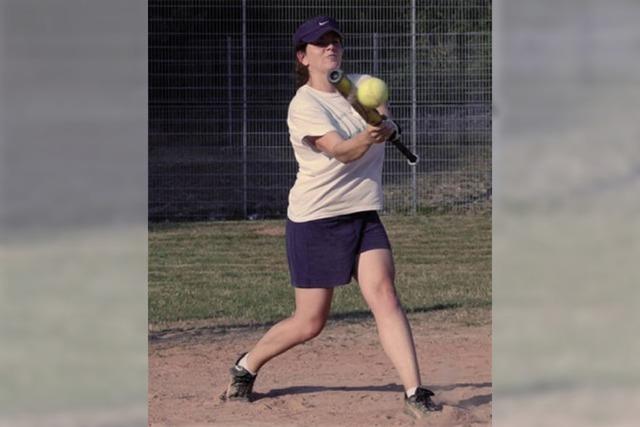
[
  {"x": 341, "y": 82},
  {"x": 335, "y": 76}
]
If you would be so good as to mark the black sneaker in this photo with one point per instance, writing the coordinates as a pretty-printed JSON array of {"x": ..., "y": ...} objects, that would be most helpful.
[
  {"x": 241, "y": 385},
  {"x": 420, "y": 403}
]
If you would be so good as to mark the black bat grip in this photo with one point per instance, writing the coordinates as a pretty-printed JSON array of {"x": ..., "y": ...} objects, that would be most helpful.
[{"x": 412, "y": 159}]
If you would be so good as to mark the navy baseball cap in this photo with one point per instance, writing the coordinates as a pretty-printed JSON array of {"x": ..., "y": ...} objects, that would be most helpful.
[{"x": 314, "y": 28}]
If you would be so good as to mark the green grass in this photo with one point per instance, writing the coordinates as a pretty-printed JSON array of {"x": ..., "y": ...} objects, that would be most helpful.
[{"x": 236, "y": 272}]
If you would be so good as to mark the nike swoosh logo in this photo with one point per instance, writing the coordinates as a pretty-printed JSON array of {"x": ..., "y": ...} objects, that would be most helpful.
[{"x": 323, "y": 23}]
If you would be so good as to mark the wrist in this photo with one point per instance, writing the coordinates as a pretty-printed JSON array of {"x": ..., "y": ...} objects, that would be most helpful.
[
  {"x": 397, "y": 127},
  {"x": 397, "y": 130}
]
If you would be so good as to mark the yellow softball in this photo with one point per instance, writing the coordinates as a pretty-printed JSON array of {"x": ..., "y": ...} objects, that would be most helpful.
[{"x": 372, "y": 92}]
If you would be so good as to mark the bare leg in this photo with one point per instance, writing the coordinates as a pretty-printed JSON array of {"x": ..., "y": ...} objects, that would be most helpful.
[
  {"x": 375, "y": 275},
  {"x": 312, "y": 310}
]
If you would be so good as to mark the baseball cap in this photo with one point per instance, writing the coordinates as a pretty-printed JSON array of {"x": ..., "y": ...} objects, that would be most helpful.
[{"x": 312, "y": 29}]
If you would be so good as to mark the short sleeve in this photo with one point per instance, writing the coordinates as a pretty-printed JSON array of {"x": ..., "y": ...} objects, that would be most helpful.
[{"x": 308, "y": 119}]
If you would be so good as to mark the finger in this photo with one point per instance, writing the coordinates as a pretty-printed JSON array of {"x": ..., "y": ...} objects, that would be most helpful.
[
  {"x": 384, "y": 133},
  {"x": 374, "y": 135},
  {"x": 390, "y": 127}
]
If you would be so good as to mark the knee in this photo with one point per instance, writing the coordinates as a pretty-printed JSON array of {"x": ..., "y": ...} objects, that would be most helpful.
[
  {"x": 383, "y": 298},
  {"x": 310, "y": 327}
]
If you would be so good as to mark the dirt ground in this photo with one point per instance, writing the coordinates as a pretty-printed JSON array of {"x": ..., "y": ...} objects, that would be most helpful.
[{"x": 341, "y": 378}]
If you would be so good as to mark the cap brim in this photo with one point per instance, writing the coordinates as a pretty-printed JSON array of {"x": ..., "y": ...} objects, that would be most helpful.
[{"x": 316, "y": 35}]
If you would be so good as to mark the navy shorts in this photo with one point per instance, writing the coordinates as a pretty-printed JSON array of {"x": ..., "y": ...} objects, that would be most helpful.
[{"x": 322, "y": 253}]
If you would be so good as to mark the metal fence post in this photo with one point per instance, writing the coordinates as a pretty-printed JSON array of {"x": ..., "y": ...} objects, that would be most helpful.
[
  {"x": 244, "y": 108},
  {"x": 229, "y": 88},
  {"x": 414, "y": 89},
  {"x": 376, "y": 71}
]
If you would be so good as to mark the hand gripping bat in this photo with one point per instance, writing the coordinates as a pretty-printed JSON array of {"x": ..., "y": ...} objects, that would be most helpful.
[{"x": 347, "y": 89}]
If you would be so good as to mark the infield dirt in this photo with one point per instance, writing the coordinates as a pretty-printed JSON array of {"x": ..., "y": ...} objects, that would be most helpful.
[{"x": 340, "y": 378}]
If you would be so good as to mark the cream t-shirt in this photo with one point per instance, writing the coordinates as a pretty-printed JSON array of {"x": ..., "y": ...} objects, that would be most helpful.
[{"x": 324, "y": 186}]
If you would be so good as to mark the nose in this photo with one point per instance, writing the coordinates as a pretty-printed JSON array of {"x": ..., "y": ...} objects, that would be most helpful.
[{"x": 333, "y": 45}]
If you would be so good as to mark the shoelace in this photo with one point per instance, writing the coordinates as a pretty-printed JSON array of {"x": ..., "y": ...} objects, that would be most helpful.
[{"x": 244, "y": 377}]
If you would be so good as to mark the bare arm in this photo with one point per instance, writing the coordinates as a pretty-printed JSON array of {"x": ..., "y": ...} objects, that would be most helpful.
[{"x": 349, "y": 150}]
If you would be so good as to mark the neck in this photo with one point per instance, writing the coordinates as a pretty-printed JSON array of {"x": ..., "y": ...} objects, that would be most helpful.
[{"x": 321, "y": 82}]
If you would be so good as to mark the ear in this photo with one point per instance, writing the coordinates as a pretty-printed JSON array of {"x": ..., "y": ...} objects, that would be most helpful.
[{"x": 302, "y": 57}]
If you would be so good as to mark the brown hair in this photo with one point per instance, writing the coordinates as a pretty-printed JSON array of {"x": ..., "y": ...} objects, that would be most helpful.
[{"x": 302, "y": 72}]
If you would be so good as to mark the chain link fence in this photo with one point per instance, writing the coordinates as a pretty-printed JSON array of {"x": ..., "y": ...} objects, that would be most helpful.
[{"x": 221, "y": 78}]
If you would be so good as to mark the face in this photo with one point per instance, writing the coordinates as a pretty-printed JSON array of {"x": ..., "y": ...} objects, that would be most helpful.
[{"x": 323, "y": 55}]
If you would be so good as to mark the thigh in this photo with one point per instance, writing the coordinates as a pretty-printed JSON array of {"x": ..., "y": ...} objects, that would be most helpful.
[
  {"x": 313, "y": 303},
  {"x": 375, "y": 272}
]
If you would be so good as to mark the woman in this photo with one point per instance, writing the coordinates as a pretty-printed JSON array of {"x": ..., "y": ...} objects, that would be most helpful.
[{"x": 333, "y": 231}]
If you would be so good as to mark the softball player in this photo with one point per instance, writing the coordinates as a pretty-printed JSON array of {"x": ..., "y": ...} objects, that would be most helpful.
[{"x": 333, "y": 231}]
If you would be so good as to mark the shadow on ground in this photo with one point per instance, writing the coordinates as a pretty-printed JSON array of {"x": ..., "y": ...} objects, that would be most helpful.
[
  {"x": 177, "y": 333},
  {"x": 391, "y": 387}
]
